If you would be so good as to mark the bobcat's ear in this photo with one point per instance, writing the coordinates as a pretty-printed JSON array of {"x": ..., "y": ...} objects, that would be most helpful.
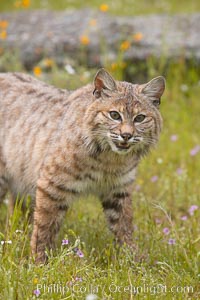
[
  {"x": 103, "y": 81},
  {"x": 154, "y": 89}
]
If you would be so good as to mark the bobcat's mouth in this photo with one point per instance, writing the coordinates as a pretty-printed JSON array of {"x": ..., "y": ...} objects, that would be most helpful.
[{"x": 122, "y": 145}]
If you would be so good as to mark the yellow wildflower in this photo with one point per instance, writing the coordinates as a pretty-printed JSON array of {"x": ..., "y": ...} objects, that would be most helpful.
[
  {"x": 138, "y": 37},
  {"x": 104, "y": 7},
  {"x": 125, "y": 45},
  {"x": 35, "y": 280},
  {"x": 50, "y": 34},
  {"x": 122, "y": 64},
  {"x": 26, "y": 3},
  {"x": 48, "y": 62},
  {"x": 4, "y": 24},
  {"x": 114, "y": 66},
  {"x": 93, "y": 22},
  {"x": 38, "y": 50},
  {"x": 3, "y": 34},
  {"x": 37, "y": 71},
  {"x": 140, "y": 181},
  {"x": 17, "y": 4},
  {"x": 84, "y": 39}
]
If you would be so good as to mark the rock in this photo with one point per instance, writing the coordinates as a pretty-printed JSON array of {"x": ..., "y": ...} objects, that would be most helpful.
[{"x": 55, "y": 34}]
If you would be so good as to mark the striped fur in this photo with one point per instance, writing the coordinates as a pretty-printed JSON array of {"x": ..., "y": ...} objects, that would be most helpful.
[{"x": 56, "y": 145}]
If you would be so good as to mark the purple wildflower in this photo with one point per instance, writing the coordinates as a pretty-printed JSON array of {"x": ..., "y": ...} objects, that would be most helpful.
[
  {"x": 174, "y": 137},
  {"x": 78, "y": 279},
  {"x": 158, "y": 221},
  {"x": 154, "y": 178},
  {"x": 166, "y": 230},
  {"x": 65, "y": 242},
  {"x": 195, "y": 150},
  {"x": 78, "y": 252},
  {"x": 171, "y": 241},
  {"x": 179, "y": 171},
  {"x": 70, "y": 283},
  {"x": 184, "y": 218},
  {"x": 192, "y": 209},
  {"x": 138, "y": 187},
  {"x": 36, "y": 293}
]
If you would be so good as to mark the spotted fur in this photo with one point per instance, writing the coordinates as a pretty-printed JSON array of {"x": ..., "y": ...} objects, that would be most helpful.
[{"x": 57, "y": 145}]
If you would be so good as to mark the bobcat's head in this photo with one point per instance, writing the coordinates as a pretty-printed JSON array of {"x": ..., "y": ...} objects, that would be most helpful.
[{"x": 125, "y": 116}]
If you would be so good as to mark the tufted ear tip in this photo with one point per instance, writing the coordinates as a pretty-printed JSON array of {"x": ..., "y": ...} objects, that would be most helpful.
[
  {"x": 160, "y": 82},
  {"x": 103, "y": 80},
  {"x": 154, "y": 89}
]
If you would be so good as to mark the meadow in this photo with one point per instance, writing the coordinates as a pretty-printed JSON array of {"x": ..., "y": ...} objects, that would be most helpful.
[{"x": 166, "y": 197}]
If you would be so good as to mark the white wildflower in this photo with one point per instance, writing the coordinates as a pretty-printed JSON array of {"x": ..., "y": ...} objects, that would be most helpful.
[
  {"x": 6, "y": 242},
  {"x": 91, "y": 297},
  {"x": 70, "y": 69}
]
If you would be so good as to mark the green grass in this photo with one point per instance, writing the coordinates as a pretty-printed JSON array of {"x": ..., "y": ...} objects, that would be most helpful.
[
  {"x": 126, "y": 7},
  {"x": 168, "y": 271},
  {"x": 104, "y": 270}
]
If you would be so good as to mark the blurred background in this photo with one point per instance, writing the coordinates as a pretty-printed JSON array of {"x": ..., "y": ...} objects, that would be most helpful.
[
  {"x": 126, "y": 7},
  {"x": 61, "y": 41}
]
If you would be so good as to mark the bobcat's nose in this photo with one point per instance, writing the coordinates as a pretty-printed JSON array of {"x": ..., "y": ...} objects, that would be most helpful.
[{"x": 126, "y": 136}]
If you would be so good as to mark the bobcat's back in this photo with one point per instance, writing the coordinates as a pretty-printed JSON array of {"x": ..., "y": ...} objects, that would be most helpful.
[{"x": 29, "y": 116}]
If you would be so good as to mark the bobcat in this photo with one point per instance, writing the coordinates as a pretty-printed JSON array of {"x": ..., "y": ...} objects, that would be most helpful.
[{"x": 56, "y": 145}]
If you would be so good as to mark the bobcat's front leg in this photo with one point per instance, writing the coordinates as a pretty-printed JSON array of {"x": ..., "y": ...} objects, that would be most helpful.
[
  {"x": 118, "y": 210},
  {"x": 50, "y": 209}
]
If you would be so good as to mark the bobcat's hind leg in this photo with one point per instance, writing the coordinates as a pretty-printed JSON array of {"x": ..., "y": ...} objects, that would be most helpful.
[
  {"x": 3, "y": 188},
  {"x": 3, "y": 181},
  {"x": 50, "y": 208},
  {"x": 11, "y": 203}
]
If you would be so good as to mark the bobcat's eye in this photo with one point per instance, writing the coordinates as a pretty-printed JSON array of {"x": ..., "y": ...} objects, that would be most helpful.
[
  {"x": 115, "y": 115},
  {"x": 139, "y": 118}
]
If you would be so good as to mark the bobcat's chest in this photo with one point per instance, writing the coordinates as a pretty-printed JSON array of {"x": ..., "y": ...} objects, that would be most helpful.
[
  {"x": 107, "y": 181},
  {"x": 88, "y": 175},
  {"x": 104, "y": 174}
]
